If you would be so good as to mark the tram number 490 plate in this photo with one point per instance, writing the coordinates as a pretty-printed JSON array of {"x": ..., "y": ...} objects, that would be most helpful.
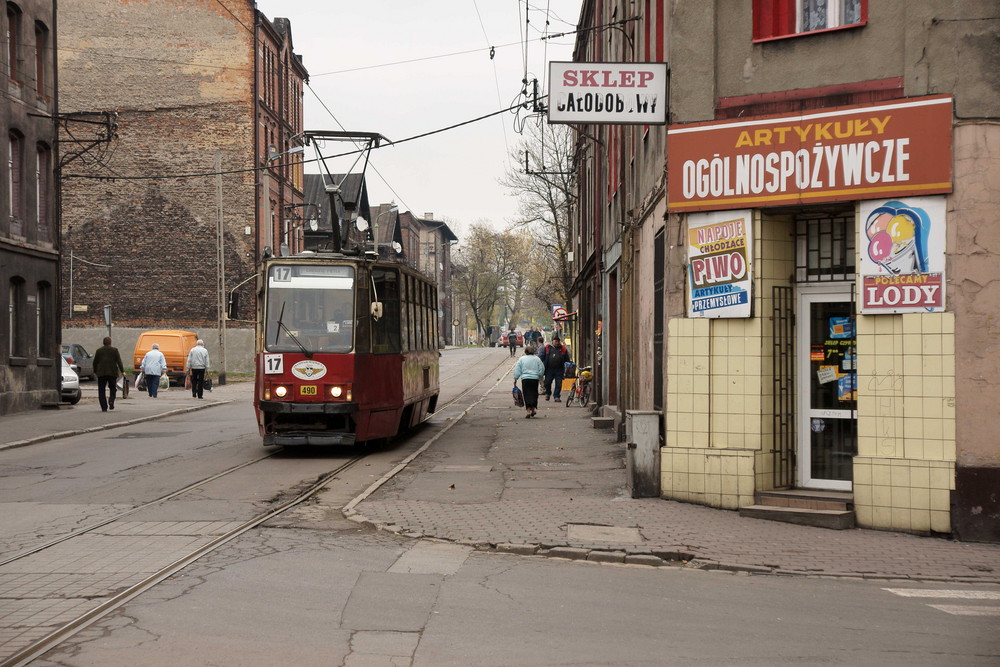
[{"x": 308, "y": 390}]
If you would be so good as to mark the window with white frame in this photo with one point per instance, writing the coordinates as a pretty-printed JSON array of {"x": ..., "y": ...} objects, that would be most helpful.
[{"x": 774, "y": 19}]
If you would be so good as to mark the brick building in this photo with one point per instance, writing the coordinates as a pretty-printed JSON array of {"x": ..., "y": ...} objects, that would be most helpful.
[
  {"x": 208, "y": 100},
  {"x": 29, "y": 234},
  {"x": 796, "y": 270}
]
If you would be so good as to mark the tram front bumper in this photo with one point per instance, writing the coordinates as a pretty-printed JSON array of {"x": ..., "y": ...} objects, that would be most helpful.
[
  {"x": 291, "y": 424},
  {"x": 285, "y": 408},
  {"x": 292, "y": 439}
]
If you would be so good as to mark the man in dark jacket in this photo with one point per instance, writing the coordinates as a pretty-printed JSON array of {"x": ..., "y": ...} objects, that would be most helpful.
[
  {"x": 107, "y": 367},
  {"x": 512, "y": 341},
  {"x": 556, "y": 356}
]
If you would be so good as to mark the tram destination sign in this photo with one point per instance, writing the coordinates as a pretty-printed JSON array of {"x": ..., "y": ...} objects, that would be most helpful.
[
  {"x": 620, "y": 93},
  {"x": 892, "y": 149}
]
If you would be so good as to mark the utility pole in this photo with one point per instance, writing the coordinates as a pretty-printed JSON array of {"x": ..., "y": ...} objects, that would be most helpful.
[{"x": 220, "y": 238}]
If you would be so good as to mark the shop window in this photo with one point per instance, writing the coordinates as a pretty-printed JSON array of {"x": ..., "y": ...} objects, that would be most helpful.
[
  {"x": 825, "y": 246},
  {"x": 774, "y": 19}
]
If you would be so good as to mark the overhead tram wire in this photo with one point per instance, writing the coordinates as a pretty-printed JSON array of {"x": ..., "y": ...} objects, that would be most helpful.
[
  {"x": 360, "y": 150},
  {"x": 297, "y": 162},
  {"x": 496, "y": 79}
]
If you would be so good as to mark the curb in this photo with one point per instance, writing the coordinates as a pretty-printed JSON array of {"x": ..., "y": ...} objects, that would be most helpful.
[
  {"x": 647, "y": 559},
  {"x": 106, "y": 427}
]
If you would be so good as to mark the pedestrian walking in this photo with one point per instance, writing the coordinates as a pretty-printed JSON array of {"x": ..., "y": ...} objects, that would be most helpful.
[
  {"x": 107, "y": 367},
  {"x": 196, "y": 366},
  {"x": 556, "y": 356},
  {"x": 529, "y": 369},
  {"x": 153, "y": 365},
  {"x": 512, "y": 341}
]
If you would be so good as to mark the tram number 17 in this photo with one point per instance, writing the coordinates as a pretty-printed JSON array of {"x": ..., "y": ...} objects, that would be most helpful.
[{"x": 274, "y": 364}]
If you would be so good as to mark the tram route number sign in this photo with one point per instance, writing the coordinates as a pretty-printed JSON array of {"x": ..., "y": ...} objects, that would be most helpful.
[{"x": 274, "y": 364}]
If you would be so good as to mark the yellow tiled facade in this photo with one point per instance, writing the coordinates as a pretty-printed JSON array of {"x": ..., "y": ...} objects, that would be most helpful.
[
  {"x": 720, "y": 405},
  {"x": 905, "y": 468}
]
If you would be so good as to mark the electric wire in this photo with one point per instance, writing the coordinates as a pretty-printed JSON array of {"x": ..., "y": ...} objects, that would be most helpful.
[
  {"x": 496, "y": 80},
  {"x": 297, "y": 162}
]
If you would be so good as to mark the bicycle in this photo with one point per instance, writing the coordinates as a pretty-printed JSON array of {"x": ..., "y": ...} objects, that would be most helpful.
[{"x": 581, "y": 389}]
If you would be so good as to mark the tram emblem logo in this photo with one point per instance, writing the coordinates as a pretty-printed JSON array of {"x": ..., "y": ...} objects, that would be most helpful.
[{"x": 307, "y": 369}]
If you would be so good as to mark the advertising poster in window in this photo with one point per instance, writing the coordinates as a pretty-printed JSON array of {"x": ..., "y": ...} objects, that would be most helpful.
[
  {"x": 719, "y": 264},
  {"x": 902, "y": 244}
]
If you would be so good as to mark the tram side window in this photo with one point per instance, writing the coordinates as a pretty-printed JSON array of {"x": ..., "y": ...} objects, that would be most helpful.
[
  {"x": 431, "y": 317},
  {"x": 434, "y": 315},
  {"x": 420, "y": 307},
  {"x": 418, "y": 326},
  {"x": 407, "y": 321},
  {"x": 363, "y": 329},
  {"x": 385, "y": 330},
  {"x": 414, "y": 324}
]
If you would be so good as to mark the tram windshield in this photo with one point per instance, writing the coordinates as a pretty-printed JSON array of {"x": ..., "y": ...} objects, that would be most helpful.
[{"x": 309, "y": 308}]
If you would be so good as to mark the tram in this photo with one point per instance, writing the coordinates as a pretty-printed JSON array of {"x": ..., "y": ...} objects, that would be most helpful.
[{"x": 346, "y": 349}]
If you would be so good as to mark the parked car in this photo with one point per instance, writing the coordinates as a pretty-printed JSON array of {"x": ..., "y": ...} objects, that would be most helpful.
[
  {"x": 69, "y": 390},
  {"x": 79, "y": 360},
  {"x": 174, "y": 345}
]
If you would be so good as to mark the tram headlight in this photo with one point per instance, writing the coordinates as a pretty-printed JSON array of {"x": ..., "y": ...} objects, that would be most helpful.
[
  {"x": 280, "y": 391},
  {"x": 340, "y": 392}
]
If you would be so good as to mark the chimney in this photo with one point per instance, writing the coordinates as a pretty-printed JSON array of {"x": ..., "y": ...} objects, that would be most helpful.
[{"x": 428, "y": 216}]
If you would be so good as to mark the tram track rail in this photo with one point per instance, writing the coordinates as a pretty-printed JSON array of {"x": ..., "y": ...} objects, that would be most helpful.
[
  {"x": 56, "y": 637},
  {"x": 51, "y": 640}
]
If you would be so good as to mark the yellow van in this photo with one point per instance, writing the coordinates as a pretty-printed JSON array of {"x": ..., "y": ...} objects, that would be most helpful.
[{"x": 174, "y": 345}]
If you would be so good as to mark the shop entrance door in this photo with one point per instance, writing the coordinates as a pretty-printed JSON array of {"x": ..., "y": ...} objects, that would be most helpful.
[{"x": 827, "y": 381}]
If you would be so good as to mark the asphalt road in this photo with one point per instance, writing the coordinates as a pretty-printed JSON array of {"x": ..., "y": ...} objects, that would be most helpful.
[{"x": 313, "y": 588}]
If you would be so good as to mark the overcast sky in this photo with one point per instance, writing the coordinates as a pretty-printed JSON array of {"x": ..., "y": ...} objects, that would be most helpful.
[{"x": 406, "y": 67}]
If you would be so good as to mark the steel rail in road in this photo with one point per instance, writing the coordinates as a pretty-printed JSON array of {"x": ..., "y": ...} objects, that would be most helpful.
[
  {"x": 138, "y": 508},
  {"x": 465, "y": 371},
  {"x": 56, "y": 637}
]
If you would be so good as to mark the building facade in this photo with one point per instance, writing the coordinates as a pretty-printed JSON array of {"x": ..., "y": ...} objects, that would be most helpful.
[
  {"x": 199, "y": 177},
  {"x": 29, "y": 233},
  {"x": 426, "y": 246},
  {"x": 814, "y": 227}
]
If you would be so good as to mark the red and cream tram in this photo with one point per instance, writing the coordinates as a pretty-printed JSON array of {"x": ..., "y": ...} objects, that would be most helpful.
[{"x": 346, "y": 349}]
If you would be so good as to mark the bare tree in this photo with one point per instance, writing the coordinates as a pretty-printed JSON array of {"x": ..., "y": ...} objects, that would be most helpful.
[
  {"x": 544, "y": 187},
  {"x": 479, "y": 276}
]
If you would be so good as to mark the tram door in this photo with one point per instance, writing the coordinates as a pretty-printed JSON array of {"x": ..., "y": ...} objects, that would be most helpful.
[{"x": 827, "y": 387}]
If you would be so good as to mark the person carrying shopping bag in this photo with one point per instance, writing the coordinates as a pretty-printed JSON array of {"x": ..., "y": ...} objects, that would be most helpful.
[
  {"x": 197, "y": 366},
  {"x": 153, "y": 365},
  {"x": 529, "y": 369}
]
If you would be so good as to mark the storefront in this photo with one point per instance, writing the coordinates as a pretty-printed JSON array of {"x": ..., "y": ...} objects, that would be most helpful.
[{"x": 818, "y": 348}]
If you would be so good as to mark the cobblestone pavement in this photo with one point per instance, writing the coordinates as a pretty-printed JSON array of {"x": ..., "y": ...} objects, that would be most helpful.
[{"x": 555, "y": 485}]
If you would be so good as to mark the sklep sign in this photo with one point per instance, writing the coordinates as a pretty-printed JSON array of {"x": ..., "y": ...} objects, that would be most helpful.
[{"x": 621, "y": 93}]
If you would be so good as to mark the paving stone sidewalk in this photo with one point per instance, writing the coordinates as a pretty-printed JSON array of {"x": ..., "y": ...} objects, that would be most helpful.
[{"x": 555, "y": 486}]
